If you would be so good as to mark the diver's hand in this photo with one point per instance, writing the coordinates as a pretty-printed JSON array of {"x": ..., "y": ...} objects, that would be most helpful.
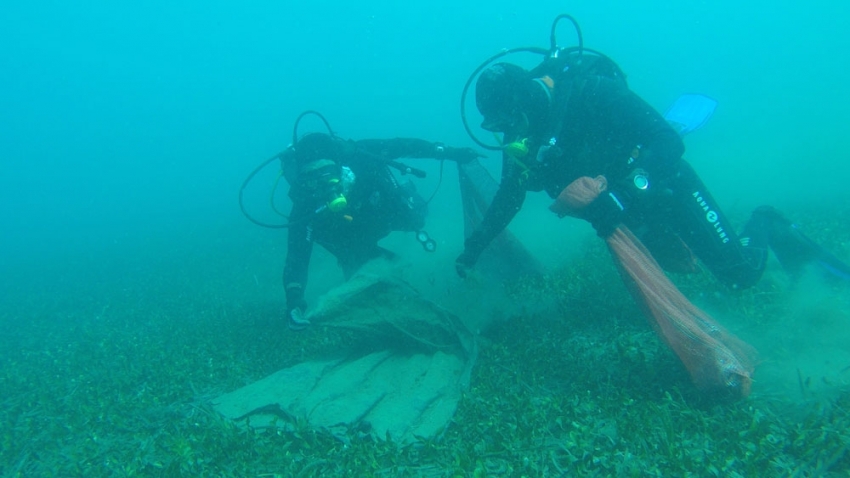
[
  {"x": 605, "y": 213},
  {"x": 295, "y": 307},
  {"x": 295, "y": 318},
  {"x": 464, "y": 264}
]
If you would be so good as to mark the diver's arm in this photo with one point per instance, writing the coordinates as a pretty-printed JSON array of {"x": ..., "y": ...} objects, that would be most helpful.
[
  {"x": 298, "y": 252},
  {"x": 637, "y": 150},
  {"x": 632, "y": 118},
  {"x": 399, "y": 148},
  {"x": 506, "y": 203},
  {"x": 396, "y": 148}
]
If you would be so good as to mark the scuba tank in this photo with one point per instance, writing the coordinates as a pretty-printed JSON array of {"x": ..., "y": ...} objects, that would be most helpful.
[
  {"x": 564, "y": 64},
  {"x": 331, "y": 181}
]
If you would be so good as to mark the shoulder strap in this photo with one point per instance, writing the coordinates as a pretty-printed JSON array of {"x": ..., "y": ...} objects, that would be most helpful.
[{"x": 566, "y": 69}]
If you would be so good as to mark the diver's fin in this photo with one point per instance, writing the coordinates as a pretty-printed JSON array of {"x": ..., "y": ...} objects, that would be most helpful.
[
  {"x": 796, "y": 251},
  {"x": 690, "y": 112},
  {"x": 834, "y": 266},
  {"x": 806, "y": 248}
]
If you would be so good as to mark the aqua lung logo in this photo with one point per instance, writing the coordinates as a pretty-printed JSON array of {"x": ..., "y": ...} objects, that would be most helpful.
[{"x": 712, "y": 217}]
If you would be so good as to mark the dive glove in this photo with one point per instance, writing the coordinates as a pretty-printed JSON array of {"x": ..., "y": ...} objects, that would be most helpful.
[
  {"x": 590, "y": 199},
  {"x": 295, "y": 307},
  {"x": 464, "y": 263},
  {"x": 295, "y": 318},
  {"x": 605, "y": 213}
]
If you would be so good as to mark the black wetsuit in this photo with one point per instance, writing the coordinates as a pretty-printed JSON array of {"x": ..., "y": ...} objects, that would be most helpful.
[
  {"x": 603, "y": 128},
  {"x": 377, "y": 205}
]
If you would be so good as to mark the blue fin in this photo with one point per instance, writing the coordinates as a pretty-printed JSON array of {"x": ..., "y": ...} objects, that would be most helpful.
[
  {"x": 838, "y": 269},
  {"x": 690, "y": 112},
  {"x": 795, "y": 250},
  {"x": 827, "y": 261}
]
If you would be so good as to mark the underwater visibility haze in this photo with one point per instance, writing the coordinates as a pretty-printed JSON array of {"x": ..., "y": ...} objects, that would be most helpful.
[{"x": 133, "y": 290}]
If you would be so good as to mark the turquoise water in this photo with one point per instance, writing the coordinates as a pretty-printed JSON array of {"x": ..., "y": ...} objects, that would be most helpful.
[{"x": 133, "y": 290}]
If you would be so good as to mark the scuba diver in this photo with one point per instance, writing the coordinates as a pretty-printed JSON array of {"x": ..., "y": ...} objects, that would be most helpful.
[
  {"x": 346, "y": 198},
  {"x": 574, "y": 116}
]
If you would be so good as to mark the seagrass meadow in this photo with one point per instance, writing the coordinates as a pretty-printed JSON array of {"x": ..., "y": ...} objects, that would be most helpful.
[{"x": 109, "y": 374}]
